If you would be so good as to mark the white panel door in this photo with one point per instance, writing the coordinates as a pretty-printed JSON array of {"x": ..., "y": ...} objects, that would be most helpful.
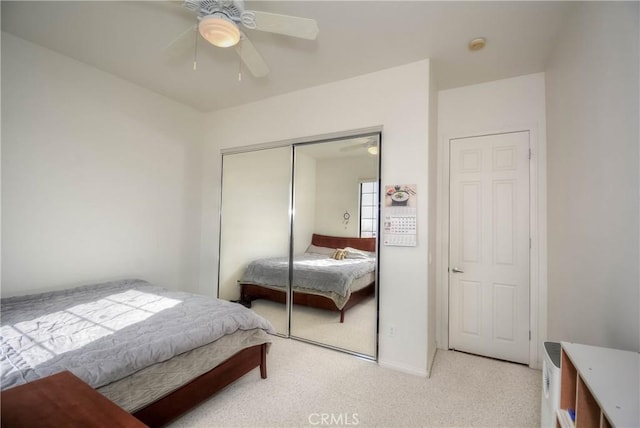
[{"x": 489, "y": 246}]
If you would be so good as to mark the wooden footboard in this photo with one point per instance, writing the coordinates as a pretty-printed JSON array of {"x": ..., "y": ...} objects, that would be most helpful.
[
  {"x": 251, "y": 292},
  {"x": 175, "y": 404}
]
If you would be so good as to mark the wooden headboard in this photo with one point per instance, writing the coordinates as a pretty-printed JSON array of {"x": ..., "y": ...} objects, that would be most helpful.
[{"x": 366, "y": 244}]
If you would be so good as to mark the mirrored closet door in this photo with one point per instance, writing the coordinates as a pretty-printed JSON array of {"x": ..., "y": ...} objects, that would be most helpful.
[
  {"x": 334, "y": 229},
  {"x": 255, "y": 225},
  {"x": 298, "y": 239}
]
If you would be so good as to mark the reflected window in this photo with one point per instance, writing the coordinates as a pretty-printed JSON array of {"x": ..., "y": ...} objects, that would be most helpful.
[{"x": 368, "y": 209}]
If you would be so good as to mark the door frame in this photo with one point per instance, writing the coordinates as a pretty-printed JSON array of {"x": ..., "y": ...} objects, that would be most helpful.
[{"x": 537, "y": 227}]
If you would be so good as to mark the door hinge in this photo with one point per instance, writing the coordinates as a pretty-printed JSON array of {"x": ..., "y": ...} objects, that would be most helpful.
[
  {"x": 529, "y": 153},
  {"x": 529, "y": 335},
  {"x": 529, "y": 243}
]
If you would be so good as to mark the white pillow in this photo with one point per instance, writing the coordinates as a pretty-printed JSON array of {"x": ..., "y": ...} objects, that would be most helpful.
[
  {"x": 353, "y": 253},
  {"x": 320, "y": 250}
]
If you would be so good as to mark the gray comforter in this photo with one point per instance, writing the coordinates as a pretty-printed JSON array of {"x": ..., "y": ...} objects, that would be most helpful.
[
  {"x": 105, "y": 332},
  {"x": 311, "y": 271}
]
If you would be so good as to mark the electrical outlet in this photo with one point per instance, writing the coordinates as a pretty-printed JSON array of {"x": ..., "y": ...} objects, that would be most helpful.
[{"x": 392, "y": 330}]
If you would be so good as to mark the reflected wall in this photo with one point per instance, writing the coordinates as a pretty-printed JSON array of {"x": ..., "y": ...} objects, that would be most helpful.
[{"x": 254, "y": 221}]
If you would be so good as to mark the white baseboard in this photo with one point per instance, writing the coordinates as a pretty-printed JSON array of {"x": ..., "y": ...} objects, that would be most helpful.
[{"x": 403, "y": 368}]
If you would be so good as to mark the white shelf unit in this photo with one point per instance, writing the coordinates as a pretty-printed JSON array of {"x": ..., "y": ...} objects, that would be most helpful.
[{"x": 601, "y": 385}]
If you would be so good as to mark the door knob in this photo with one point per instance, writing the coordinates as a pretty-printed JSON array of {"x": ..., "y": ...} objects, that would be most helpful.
[{"x": 456, "y": 270}]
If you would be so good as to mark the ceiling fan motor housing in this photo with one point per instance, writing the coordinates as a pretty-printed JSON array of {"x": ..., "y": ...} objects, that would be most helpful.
[{"x": 231, "y": 8}]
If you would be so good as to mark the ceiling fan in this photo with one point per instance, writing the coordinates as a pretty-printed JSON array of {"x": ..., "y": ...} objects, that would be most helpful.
[
  {"x": 219, "y": 22},
  {"x": 370, "y": 144}
]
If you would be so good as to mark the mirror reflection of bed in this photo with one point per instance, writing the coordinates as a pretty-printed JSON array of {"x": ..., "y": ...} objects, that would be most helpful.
[
  {"x": 335, "y": 202},
  {"x": 333, "y": 290}
]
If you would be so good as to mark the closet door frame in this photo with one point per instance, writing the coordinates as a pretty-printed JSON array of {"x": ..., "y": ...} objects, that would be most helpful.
[{"x": 315, "y": 139}]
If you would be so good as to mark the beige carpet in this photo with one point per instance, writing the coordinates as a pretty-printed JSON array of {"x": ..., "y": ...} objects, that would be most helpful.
[
  {"x": 357, "y": 333},
  {"x": 307, "y": 383}
]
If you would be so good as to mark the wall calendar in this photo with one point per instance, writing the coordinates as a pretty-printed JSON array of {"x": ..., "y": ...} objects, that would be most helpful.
[{"x": 400, "y": 218}]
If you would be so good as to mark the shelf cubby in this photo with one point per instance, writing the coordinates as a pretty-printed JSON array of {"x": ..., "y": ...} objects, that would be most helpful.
[{"x": 600, "y": 386}]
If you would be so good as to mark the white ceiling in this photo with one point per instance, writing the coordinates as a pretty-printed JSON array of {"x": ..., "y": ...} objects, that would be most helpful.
[{"x": 130, "y": 39}]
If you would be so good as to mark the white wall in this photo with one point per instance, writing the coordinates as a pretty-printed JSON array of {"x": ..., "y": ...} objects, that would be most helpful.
[
  {"x": 500, "y": 106},
  {"x": 592, "y": 106},
  {"x": 396, "y": 98},
  {"x": 432, "y": 220},
  {"x": 100, "y": 178}
]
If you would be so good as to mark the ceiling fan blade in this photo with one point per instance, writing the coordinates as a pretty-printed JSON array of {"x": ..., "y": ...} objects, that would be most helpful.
[
  {"x": 304, "y": 28},
  {"x": 251, "y": 57},
  {"x": 354, "y": 147},
  {"x": 182, "y": 44}
]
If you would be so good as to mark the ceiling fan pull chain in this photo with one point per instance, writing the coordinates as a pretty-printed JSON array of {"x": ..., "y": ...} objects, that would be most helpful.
[
  {"x": 195, "y": 47},
  {"x": 239, "y": 69}
]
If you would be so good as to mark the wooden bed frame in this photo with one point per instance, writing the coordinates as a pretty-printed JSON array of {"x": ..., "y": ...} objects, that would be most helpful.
[
  {"x": 250, "y": 292},
  {"x": 166, "y": 409}
]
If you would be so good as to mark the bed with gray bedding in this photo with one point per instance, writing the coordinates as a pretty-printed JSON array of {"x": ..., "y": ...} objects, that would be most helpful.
[
  {"x": 123, "y": 337},
  {"x": 317, "y": 279},
  {"x": 311, "y": 272}
]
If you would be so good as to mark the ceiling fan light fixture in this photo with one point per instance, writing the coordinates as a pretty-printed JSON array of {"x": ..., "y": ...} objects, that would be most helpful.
[{"x": 219, "y": 30}]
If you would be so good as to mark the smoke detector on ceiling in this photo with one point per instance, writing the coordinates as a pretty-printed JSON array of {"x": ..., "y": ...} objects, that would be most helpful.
[{"x": 477, "y": 44}]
